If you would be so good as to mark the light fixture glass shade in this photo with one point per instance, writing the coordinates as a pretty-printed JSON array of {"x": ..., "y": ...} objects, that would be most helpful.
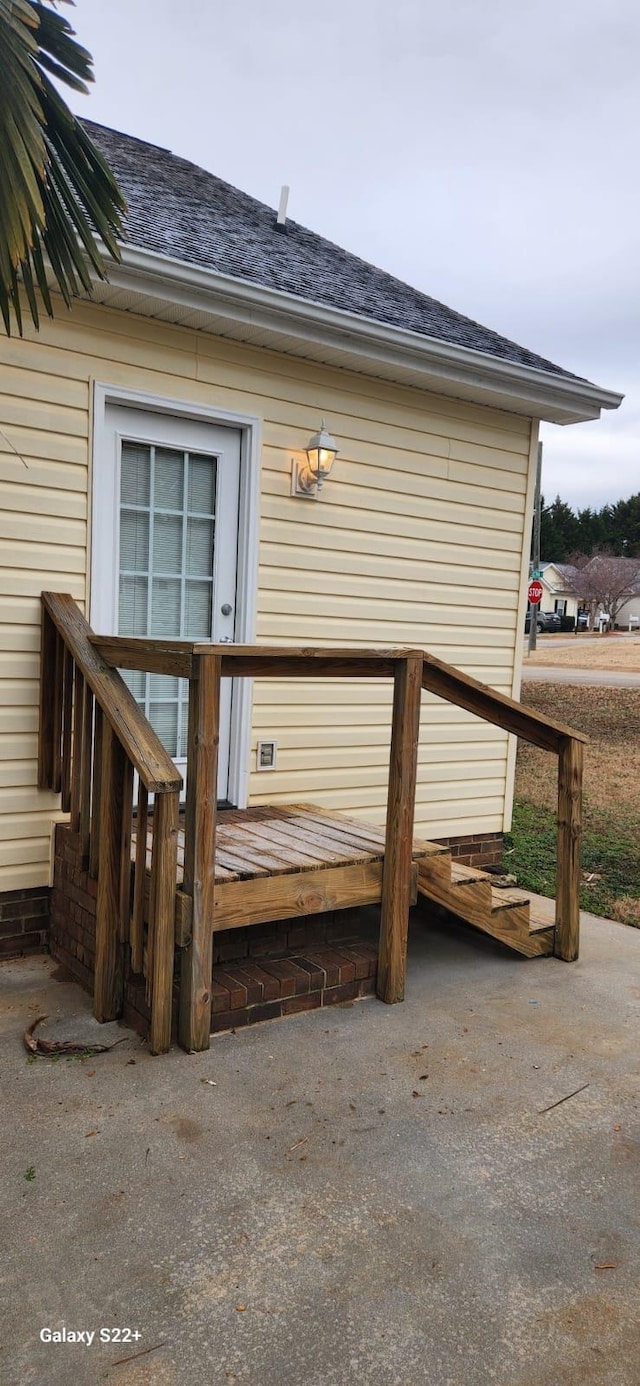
[{"x": 322, "y": 451}]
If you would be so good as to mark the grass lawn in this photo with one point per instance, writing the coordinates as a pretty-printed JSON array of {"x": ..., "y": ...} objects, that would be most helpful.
[{"x": 611, "y": 841}]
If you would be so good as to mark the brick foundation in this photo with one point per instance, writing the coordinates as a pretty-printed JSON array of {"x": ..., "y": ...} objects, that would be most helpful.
[
  {"x": 481, "y": 850},
  {"x": 259, "y": 973},
  {"x": 286, "y": 985},
  {"x": 24, "y": 921}
]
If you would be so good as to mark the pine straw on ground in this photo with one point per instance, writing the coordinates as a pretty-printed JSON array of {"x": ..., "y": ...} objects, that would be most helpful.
[
  {"x": 618, "y": 652},
  {"x": 611, "y": 847}
]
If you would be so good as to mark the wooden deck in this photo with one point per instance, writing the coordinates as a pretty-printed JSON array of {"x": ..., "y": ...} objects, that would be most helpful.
[
  {"x": 280, "y": 862},
  {"x": 239, "y": 868}
]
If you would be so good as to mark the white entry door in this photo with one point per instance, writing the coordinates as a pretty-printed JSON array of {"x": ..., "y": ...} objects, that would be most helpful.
[{"x": 174, "y": 541}]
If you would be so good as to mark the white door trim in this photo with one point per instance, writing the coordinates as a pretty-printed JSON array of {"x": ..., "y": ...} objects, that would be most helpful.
[{"x": 104, "y": 500}]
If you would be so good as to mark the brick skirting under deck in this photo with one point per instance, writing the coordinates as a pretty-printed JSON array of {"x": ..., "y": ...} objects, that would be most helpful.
[
  {"x": 24, "y": 921},
  {"x": 261, "y": 972},
  {"x": 481, "y": 850}
]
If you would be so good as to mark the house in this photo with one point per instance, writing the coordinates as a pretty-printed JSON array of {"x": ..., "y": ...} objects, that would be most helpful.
[
  {"x": 599, "y": 585},
  {"x": 623, "y": 582},
  {"x": 561, "y": 590},
  {"x": 150, "y": 441},
  {"x": 628, "y": 617}
]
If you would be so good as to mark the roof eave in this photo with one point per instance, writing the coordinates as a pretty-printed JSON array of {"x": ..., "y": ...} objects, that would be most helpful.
[{"x": 174, "y": 290}]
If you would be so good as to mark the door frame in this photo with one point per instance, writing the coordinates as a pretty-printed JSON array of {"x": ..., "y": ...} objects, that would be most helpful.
[{"x": 104, "y": 499}]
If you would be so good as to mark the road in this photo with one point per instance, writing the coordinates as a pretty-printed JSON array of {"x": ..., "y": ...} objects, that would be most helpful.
[{"x": 598, "y": 678}]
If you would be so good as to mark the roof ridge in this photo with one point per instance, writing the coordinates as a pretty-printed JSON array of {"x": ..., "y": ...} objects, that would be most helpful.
[{"x": 135, "y": 139}]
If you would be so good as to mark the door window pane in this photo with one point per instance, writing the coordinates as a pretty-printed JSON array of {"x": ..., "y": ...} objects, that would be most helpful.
[
  {"x": 163, "y": 686},
  {"x": 136, "y": 473},
  {"x": 165, "y": 607},
  {"x": 136, "y": 682},
  {"x": 200, "y": 547},
  {"x": 169, "y": 479},
  {"x": 184, "y": 727},
  {"x": 167, "y": 544},
  {"x": 167, "y": 500},
  {"x": 133, "y": 606},
  {"x": 202, "y": 485},
  {"x": 134, "y": 541},
  {"x": 198, "y": 610},
  {"x": 164, "y": 720}
]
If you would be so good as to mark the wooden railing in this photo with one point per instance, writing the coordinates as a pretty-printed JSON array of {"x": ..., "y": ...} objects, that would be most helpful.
[
  {"x": 83, "y": 694},
  {"x": 550, "y": 735},
  {"x": 93, "y": 739},
  {"x": 205, "y": 665}
]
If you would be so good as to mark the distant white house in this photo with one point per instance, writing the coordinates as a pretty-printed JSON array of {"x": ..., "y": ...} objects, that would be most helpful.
[
  {"x": 629, "y": 614},
  {"x": 562, "y": 592},
  {"x": 560, "y": 589}
]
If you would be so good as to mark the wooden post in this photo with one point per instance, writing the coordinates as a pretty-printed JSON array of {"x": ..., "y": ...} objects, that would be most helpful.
[
  {"x": 139, "y": 880},
  {"x": 567, "y": 935},
  {"x": 87, "y": 768},
  {"x": 164, "y": 860},
  {"x": 109, "y": 964},
  {"x": 47, "y": 725},
  {"x": 396, "y": 876},
  {"x": 200, "y": 851},
  {"x": 67, "y": 724},
  {"x": 125, "y": 850},
  {"x": 96, "y": 792},
  {"x": 58, "y": 680},
  {"x": 79, "y": 689}
]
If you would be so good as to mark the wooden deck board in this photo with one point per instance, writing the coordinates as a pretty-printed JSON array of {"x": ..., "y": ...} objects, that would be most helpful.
[{"x": 278, "y": 840}]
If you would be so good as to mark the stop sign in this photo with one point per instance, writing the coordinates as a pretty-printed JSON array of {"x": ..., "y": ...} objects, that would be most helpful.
[{"x": 535, "y": 592}]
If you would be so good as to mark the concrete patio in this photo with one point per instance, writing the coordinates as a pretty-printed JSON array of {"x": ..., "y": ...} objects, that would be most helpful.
[{"x": 366, "y": 1194}]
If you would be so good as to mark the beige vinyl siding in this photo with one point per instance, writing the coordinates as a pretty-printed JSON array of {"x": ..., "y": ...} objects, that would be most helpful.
[{"x": 417, "y": 539}]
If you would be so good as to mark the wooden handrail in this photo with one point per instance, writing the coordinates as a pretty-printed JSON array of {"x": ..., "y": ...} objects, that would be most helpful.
[
  {"x": 455, "y": 687},
  {"x": 178, "y": 657},
  {"x": 317, "y": 661},
  {"x": 92, "y": 737},
  {"x": 142, "y": 746}
]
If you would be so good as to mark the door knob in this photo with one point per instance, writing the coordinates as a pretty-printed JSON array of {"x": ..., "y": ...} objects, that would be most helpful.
[{"x": 226, "y": 608}]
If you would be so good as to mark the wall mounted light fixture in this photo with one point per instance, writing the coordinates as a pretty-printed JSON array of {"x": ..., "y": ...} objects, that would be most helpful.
[{"x": 308, "y": 478}]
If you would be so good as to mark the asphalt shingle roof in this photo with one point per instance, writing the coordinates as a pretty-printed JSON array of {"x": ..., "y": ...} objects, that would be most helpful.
[
  {"x": 180, "y": 210},
  {"x": 624, "y": 567},
  {"x": 569, "y": 572}
]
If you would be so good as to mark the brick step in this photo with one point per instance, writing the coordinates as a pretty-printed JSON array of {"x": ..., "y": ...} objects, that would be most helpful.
[
  {"x": 467, "y": 893},
  {"x": 248, "y": 991}
]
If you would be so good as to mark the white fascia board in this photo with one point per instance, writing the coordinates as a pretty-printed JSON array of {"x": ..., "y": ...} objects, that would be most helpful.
[{"x": 444, "y": 367}]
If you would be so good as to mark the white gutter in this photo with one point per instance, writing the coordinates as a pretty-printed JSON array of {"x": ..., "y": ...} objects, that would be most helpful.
[{"x": 442, "y": 365}]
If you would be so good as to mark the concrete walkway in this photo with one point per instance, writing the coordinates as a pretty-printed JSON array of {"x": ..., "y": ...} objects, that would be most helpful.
[{"x": 383, "y": 1196}]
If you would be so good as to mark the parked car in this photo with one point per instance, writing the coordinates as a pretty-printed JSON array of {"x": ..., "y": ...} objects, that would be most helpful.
[{"x": 545, "y": 620}]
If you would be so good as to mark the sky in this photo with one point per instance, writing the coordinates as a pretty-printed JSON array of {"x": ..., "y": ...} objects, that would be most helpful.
[{"x": 485, "y": 151}]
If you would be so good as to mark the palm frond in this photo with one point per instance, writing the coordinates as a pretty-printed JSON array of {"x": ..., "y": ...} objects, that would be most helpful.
[{"x": 59, "y": 201}]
